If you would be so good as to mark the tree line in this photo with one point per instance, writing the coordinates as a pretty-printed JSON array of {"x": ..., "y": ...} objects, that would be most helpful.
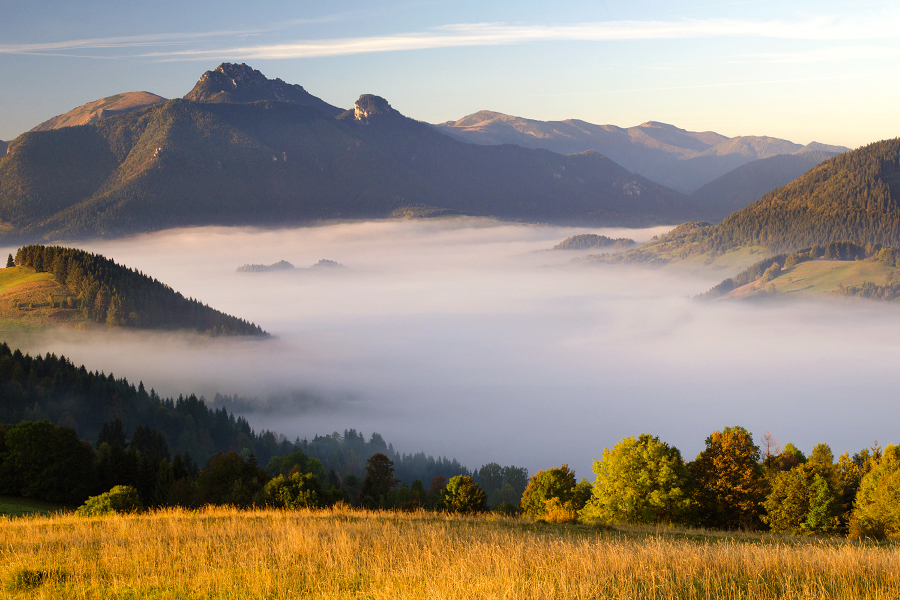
[
  {"x": 106, "y": 292},
  {"x": 41, "y": 460},
  {"x": 51, "y": 388}
]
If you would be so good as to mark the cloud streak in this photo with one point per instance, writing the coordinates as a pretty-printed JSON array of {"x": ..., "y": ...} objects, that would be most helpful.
[{"x": 882, "y": 26}]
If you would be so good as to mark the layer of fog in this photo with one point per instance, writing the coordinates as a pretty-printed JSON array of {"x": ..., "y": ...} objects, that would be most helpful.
[{"x": 460, "y": 337}]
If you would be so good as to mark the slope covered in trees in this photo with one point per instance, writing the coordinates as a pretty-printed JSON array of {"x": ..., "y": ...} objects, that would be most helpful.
[
  {"x": 851, "y": 197},
  {"x": 184, "y": 433},
  {"x": 748, "y": 183},
  {"x": 186, "y": 162},
  {"x": 106, "y": 292}
]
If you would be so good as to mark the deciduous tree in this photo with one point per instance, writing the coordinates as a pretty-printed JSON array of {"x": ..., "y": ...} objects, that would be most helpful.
[
  {"x": 639, "y": 480},
  {"x": 728, "y": 480}
]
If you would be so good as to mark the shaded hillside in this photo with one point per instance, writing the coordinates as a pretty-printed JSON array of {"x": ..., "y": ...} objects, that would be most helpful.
[
  {"x": 51, "y": 387},
  {"x": 3, "y": 146},
  {"x": 231, "y": 82},
  {"x": 748, "y": 183},
  {"x": 190, "y": 163},
  {"x": 853, "y": 196},
  {"x": 101, "y": 109},
  {"x": 682, "y": 160},
  {"x": 93, "y": 288}
]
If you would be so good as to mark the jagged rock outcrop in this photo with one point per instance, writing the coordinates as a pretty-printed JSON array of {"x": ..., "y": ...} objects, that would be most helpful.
[{"x": 231, "y": 82}]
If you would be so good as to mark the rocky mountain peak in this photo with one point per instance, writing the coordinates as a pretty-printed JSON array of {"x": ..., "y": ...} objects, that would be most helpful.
[
  {"x": 370, "y": 105},
  {"x": 232, "y": 82}
]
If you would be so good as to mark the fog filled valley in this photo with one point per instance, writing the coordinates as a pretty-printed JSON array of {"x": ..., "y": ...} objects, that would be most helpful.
[{"x": 469, "y": 338}]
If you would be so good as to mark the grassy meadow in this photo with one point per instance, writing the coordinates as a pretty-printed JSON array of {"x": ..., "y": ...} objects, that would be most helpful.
[
  {"x": 821, "y": 277},
  {"x": 345, "y": 553}
]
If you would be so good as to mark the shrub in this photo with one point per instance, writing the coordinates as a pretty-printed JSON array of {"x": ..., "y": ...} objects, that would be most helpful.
[
  {"x": 554, "y": 483},
  {"x": 557, "y": 511},
  {"x": 463, "y": 495},
  {"x": 299, "y": 490},
  {"x": 120, "y": 499}
]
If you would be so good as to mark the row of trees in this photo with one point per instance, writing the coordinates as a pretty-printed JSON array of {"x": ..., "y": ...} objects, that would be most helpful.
[
  {"x": 48, "y": 462},
  {"x": 734, "y": 484},
  {"x": 109, "y": 293}
]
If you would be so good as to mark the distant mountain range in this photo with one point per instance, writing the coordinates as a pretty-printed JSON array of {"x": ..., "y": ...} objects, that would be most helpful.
[
  {"x": 679, "y": 159},
  {"x": 284, "y": 156},
  {"x": 3, "y": 146},
  {"x": 100, "y": 109}
]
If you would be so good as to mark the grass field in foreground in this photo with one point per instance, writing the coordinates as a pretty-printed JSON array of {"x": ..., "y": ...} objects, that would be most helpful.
[{"x": 225, "y": 553}]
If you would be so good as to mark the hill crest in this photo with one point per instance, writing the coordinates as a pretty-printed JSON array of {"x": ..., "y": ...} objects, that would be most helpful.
[{"x": 101, "y": 109}]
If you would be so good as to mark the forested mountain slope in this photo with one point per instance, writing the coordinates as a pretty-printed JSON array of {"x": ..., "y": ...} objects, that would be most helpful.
[
  {"x": 748, "y": 183},
  {"x": 52, "y": 388},
  {"x": 83, "y": 287},
  {"x": 851, "y": 197},
  {"x": 198, "y": 163}
]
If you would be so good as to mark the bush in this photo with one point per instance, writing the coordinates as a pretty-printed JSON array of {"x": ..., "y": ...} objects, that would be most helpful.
[
  {"x": 463, "y": 495},
  {"x": 554, "y": 483},
  {"x": 299, "y": 490},
  {"x": 122, "y": 499}
]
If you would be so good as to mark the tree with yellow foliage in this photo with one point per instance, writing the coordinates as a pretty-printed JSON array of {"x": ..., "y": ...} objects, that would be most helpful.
[{"x": 728, "y": 480}]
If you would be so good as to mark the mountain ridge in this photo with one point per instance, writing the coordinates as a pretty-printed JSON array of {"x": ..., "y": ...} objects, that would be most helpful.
[
  {"x": 680, "y": 159},
  {"x": 100, "y": 109},
  {"x": 185, "y": 162}
]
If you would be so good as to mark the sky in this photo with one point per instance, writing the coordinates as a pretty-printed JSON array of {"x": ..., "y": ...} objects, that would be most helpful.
[{"x": 803, "y": 70}]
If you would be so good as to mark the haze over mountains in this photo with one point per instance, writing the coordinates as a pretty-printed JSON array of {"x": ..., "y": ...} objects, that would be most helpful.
[
  {"x": 284, "y": 157},
  {"x": 679, "y": 159}
]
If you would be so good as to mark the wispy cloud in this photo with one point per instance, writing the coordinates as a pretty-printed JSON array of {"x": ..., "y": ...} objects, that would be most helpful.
[
  {"x": 830, "y": 54},
  {"x": 882, "y": 26}
]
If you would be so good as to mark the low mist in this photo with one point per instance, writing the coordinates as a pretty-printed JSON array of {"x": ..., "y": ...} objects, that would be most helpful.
[{"x": 469, "y": 338}]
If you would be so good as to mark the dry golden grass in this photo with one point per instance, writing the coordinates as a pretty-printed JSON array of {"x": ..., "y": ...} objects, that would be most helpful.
[{"x": 224, "y": 553}]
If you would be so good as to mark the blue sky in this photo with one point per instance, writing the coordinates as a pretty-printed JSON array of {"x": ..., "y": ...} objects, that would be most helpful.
[{"x": 797, "y": 69}]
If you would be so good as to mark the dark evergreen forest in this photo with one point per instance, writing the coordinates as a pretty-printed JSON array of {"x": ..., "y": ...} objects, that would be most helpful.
[{"x": 110, "y": 293}]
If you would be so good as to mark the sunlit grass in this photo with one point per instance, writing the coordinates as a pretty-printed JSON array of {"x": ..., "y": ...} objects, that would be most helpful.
[{"x": 224, "y": 553}]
